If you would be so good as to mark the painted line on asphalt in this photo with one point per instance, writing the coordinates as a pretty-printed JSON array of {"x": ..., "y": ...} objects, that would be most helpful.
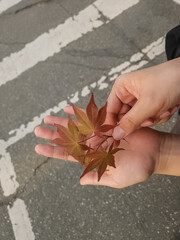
[
  {"x": 176, "y": 1},
  {"x": 6, "y": 4},
  {"x": 17, "y": 63},
  {"x": 7, "y": 175},
  {"x": 135, "y": 62},
  {"x": 46, "y": 45},
  {"x": 18, "y": 213},
  {"x": 21, "y": 224}
]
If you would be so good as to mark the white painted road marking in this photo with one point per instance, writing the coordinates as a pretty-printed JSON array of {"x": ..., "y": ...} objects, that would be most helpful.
[
  {"x": 17, "y": 63},
  {"x": 5, "y": 4},
  {"x": 14, "y": 66},
  {"x": 20, "y": 221},
  {"x": 177, "y": 1},
  {"x": 47, "y": 44},
  {"x": 151, "y": 51},
  {"x": 18, "y": 213},
  {"x": 7, "y": 175}
]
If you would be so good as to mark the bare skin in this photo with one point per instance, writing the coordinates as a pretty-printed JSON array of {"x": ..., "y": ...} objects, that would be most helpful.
[
  {"x": 144, "y": 98},
  {"x": 144, "y": 154},
  {"x": 137, "y": 100}
]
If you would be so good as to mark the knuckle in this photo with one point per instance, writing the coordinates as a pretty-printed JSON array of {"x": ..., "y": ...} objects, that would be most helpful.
[
  {"x": 128, "y": 123},
  {"x": 120, "y": 80}
]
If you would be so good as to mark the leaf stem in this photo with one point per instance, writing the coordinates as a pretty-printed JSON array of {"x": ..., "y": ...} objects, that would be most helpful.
[
  {"x": 107, "y": 136},
  {"x": 125, "y": 140},
  {"x": 103, "y": 141},
  {"x": 87, "y": 139}
]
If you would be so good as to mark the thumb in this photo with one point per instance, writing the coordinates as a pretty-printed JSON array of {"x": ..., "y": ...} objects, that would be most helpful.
[
  {"x": 142, "y": 110},
  {"x": 91, "y": 178}
]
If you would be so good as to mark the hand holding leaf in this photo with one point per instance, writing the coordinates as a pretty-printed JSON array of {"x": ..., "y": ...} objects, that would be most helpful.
[
  {"x": 89, "y": 123},
  {"x": 135, "y": 164}
]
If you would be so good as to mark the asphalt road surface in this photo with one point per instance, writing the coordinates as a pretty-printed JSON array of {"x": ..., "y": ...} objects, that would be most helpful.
[{"x": 54, "y": 53}]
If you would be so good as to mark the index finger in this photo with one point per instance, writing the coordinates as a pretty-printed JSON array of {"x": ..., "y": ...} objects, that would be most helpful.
[{"x": 114, "y": 105}]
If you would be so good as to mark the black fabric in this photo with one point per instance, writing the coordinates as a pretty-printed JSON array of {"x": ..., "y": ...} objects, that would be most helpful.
[{"x": 173, "y": 43}]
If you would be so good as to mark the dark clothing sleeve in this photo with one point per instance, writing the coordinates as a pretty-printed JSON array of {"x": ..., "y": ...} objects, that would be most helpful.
[{"x": 173, "y": 43}]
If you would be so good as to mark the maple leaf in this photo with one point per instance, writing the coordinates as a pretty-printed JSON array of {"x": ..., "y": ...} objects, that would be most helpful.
[
  {"x": 100, "y": 160},
  {"x": 70, "y": 138},
  {"x": 92, "y": 121}
]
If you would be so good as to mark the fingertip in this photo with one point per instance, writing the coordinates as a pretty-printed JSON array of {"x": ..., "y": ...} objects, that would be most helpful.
[
  {"x": 147, "y": 123},
  {"x": 82, "y": 182},
  {"x": 174, "y": 110},
  {"x": 68, "y": 109},
  {"x": 46, "y": 119},
  {"x": 119, "y": 133},
  {"x": 89, "y": 178},
  {"x": 37, "y": 147},
  {"x": 165, "y": 114},
  {"x": 36, "y": 130}
]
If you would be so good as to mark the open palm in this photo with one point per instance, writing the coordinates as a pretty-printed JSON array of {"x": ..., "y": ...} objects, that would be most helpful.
[{"x": 134, "y": 164}]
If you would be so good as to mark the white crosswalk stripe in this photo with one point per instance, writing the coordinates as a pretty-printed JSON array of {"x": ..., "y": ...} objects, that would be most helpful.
[
  {"x": 134, "y": 63},
  {"x": 20, "y": 221},
  {"x": 17, "y": 63},
  {"x": 6, "y": 4},
  {"x": 8, "y": 180},
  {"x": 43, "y": 47},
  {"x": 47, "y": 44},
  {"x": 177, "y": 1},
  {"x": 151, "y": 51}
]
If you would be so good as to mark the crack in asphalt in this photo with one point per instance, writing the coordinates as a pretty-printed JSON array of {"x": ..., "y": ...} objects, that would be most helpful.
[
  {"x": 9, "y": 200},
  {"x": 102, "y": 17},
  {"x": 31, "y": 5},
  {"x": 25, "y": 7},
  {"x": 65, "y": 9},
  {"x": 40, "y": 165}
]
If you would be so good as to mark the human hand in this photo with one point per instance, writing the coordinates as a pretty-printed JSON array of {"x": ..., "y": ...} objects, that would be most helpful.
[
  {"x": 134, "y": 164},
  {"x": 50, "y": 134},
  {"x": 144, "y": 98}
]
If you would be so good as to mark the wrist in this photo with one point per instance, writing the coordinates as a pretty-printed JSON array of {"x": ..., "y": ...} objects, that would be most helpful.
[
  {"x": 164, "y": 152},
  {"x": 174, "y": 73},
  {"x": 168, "y": 160}
]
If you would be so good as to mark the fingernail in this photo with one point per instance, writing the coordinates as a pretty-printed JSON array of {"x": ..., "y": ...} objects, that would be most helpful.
[
  {"x": 146, "y": 123},
  {"x": 118, "y": 133},
  {"x": 165, "y": 114},
  {"x": 174, "y": 110}
]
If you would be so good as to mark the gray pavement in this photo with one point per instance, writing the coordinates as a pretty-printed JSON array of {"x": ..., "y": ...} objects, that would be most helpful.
[{"x": 58, "y": 206}]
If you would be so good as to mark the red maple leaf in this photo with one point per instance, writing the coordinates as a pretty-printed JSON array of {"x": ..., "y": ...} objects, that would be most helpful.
[
  {"x": 100, "y": 160},
  {"x": 76, "y": 139},
  {"x": 70, "y": 138},
  {"x": 92, "y": 121}
]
